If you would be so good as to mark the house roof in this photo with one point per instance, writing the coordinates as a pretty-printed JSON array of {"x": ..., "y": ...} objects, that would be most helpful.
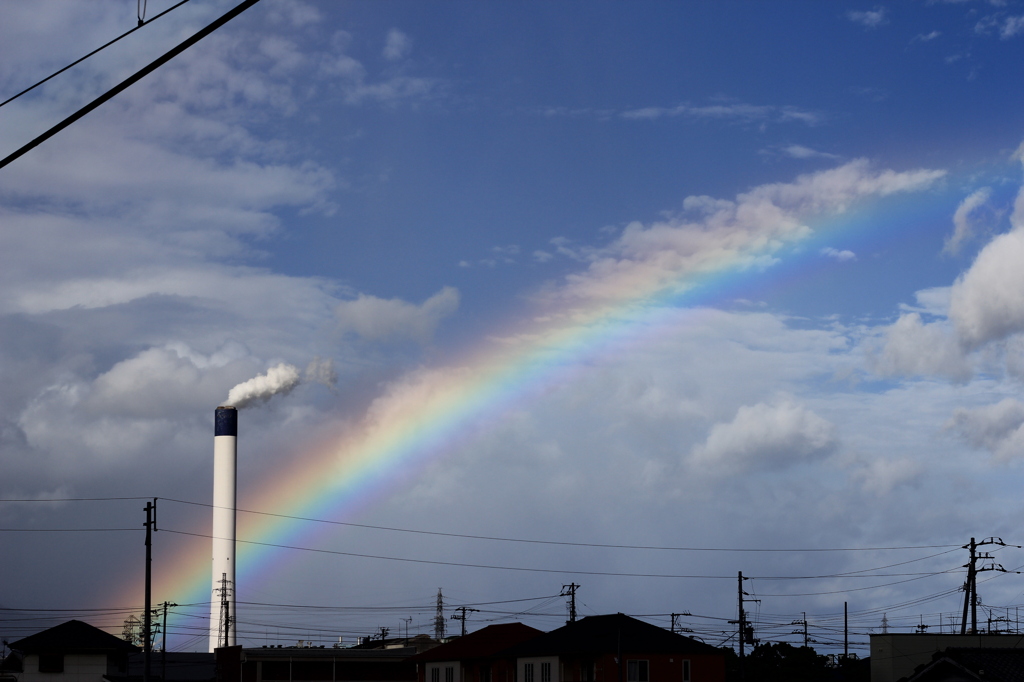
[
  {"x": 991, "y": 664},
  {"x": 73, "y": 636},
  {"x": 483, "y": 643},
  {"x": 595, "y": 635}
]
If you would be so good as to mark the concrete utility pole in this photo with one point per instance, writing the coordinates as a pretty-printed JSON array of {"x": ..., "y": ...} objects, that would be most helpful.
[
  {"x": 804, "y": 623},
  {"x": 971, "y": 585},
  {"x": 462, "y": 617},
  {"x": 846, "y": 634},
  {"x": 570, "y": 592},
  {"x": 163, "y": 649},
  {"x": 741, "y": 623},
  {"x": 147, "y": 616}
]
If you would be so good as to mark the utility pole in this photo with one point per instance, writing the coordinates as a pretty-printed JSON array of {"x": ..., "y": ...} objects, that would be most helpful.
[
  {"x": 462, "y": 617},
  {"x": 147, "y": 616},
  {"x": 746, "y": 632},
  {"x": 163, "y": 649},
  {"x": 804, "y": 623},
  {"x": 570, "y": 592},
  {"x": 674, "y": 616},
  {"x": 407, "y": 621},
  {"x": 846, "y": 634},
  {"x": 971, "y": 584},
  {"x": 439, "y": 618}
]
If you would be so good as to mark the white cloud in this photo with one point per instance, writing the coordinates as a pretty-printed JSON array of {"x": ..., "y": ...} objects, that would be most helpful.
[
  {"x": 868, "y": 18},
  {"x": 998, "y": 428},
  {"x": 377, "y": 319},
  {"x": 397, "y": 45},
  {"x": 744, "y": 232},
  {"x": 963, "y": 225},
  {"x": 841, "y": 256},
  {"x": 1011, "y": 27},
  {"x": 987, "y": 301},
  {"x": 911, "y": 347},
  {"x": 741, "y": 112},
  {"x": 765, "y": 437},
  {"x": 879, "y": 476},
  {"x": 926, "y": 37},
  {"x": 798, "y": 151}
]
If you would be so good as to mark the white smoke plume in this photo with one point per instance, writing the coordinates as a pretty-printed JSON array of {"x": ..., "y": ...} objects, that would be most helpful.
[
  {"x": 322, "y": 372},
  {"x": 282, "y": 379},
  {"x": 279, "y": 379}
]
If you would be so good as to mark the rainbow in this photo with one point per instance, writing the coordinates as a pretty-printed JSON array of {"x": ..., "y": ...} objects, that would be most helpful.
[{"x": 432, "y": 412}]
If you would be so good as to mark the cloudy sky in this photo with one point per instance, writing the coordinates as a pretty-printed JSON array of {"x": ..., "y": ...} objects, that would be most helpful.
[{"x": 731, "y": 286}]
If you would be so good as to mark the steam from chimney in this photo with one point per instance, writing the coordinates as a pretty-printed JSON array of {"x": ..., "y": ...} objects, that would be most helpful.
[
  {"x": 280, "y": 379},
  {"x": 261, "y": 388}
]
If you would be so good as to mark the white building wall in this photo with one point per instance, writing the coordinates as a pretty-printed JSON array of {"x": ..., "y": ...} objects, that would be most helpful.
[
  {"x": 447, "y": 671},
  {"x": 77, "y": 668},
  {"x": 538, "y": 666}
]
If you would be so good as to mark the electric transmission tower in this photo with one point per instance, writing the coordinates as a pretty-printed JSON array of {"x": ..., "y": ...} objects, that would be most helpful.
[
  {"x": 226, "y": 617},
  {"x": 439, "y": 618}
]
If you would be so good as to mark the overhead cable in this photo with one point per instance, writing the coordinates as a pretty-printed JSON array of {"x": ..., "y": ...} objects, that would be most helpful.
[
  {"x": 128, "y": 82},
  {"x": 98, "y": 49}
]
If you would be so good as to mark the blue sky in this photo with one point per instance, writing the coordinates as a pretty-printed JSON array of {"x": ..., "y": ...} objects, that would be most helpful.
[{"x": 396, "y": 188}]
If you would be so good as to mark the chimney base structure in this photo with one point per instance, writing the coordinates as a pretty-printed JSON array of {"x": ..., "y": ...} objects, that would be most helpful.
[{"x": 222, "y": 594}]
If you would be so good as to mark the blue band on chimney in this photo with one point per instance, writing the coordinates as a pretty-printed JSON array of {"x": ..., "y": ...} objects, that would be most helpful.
[{"x": 226, "y": 422}]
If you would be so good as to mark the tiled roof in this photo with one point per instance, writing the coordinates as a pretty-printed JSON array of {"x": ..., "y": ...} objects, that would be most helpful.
[
  {"x": 483, "y": 643},
  {"x": 1000, "y": 665},
  {"x": 609, "y": 634},
  {"x": 73, "y": 636}
]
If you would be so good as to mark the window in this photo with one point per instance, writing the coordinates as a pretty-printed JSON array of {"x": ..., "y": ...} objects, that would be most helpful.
[
  {"x": 435, "y": 674},
  {"x": 686, "y": 670},
  {"x": 51, "y": 663},
  {"x": 449, "y": 674},
  {"x": 528, "y": 672},
  {"x": 485, "y": 673},
  {"x": 586, "y": 672},
  {"x": 545, "y": 672},
  {"x": 636, "y": 671}
]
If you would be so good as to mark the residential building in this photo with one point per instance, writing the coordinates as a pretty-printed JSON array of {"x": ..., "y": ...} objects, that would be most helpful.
[
  {"x": 970, "y": 665},
  {"x": 71, "y": 652},
  {"x": 897, "y": 655},
  {"x": 616, "y": 648},
  {"x": 476, "y": 657}
]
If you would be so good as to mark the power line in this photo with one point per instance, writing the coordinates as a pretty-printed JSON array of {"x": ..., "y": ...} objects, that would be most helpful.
[
  {"x": 98, "y": 49},
  {"x": 553, "y": 570},
  {"x": 128, "y": 82},
  {"x": 66, "y": 530},
  {"x": 452, "y": 563},
  {"x": 74, "y": 499},
  {"x": 564, "y": 543}
]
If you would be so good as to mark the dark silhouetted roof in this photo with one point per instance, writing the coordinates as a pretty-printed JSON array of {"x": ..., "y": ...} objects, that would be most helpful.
[
  {"x": 596, "y": 635},
  {"x": 483, "y": 643},
  {"x": 990, "y": 664},
  {"x": 73, "y": 636}
]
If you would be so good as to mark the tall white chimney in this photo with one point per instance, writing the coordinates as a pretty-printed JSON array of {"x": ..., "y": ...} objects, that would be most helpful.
[{"x": 222, "y": 595}]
